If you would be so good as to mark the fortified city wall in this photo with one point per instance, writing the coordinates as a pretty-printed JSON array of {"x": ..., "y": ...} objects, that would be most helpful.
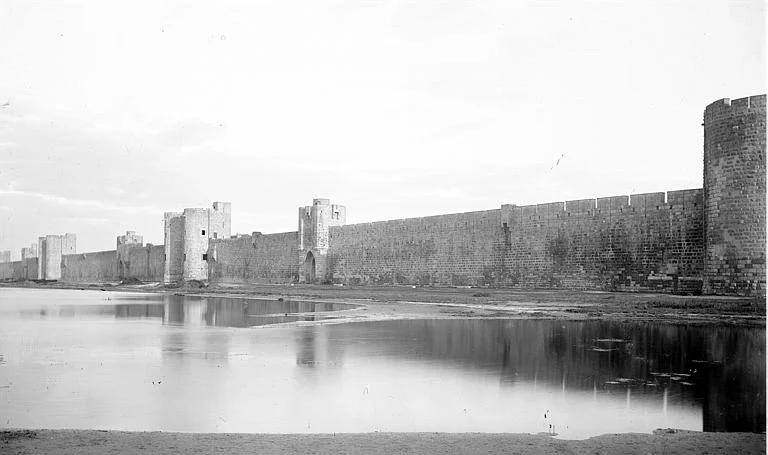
[
  {"x": 19, "y": 270},
  {"x": 89, "y": 267},
  {"x": 458, "y": 249},
  {"x": 709, "y": 240},
  {"x": 656, "y": 243},
  {"x": 640, "y": 242},
  {"x": 146, "y": 263},
  {"x": 130, "y": 260},
  {"x": 141, "y": 262},
  {"x": 255, "y": 258}
]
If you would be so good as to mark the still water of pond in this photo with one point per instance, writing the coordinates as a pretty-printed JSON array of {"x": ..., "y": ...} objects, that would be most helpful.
[{"x": 105, "y": 360}]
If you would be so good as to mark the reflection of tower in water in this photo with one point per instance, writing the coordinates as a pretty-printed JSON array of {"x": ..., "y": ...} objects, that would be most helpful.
[
  {"x": 138, "y": 311},
  {"x": 226, "y": 312},
  {"x": 185, "y": 311},
  {"x": 308, "y": 353},
  {"x": 315, "y": 349}
]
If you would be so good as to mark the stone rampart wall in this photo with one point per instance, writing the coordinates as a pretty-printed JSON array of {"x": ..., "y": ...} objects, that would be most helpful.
[
  {"x": 19, "y": 270},
  {"x": 653, "y": 243},
  {"x": 89, "y": 267},
  {"x": 146, "y": 263},
  {"x": 456, "y": 249},
  {"x": 254, "y": 258}
]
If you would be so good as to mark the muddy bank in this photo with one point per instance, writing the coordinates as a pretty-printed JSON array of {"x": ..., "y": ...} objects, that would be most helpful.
[
  {"x": 98, "y": 442},
  {"x": 391, "y": 302}
]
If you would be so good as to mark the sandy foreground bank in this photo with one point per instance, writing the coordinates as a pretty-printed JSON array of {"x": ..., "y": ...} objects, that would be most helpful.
[{"x": 118, "y": 442}]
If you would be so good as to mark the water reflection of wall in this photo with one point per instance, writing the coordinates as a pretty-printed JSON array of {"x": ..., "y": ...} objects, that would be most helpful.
[
  {"x": 231, "y": 312},
  {"x": 314, "y": 347},
  {"x": 721, "y": 368},
  {"x": 139, "y": 311},
  {"x": 223, "y": 312}
]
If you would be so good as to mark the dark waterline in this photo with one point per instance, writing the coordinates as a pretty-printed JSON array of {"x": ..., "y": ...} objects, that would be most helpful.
[{"x": 151, "y": 362}]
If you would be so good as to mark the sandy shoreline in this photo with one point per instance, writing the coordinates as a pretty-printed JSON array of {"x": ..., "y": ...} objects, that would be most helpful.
[{"x": 119, "y": 442}]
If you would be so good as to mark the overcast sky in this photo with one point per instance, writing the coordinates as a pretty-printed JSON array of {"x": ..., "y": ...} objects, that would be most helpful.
[{"x": 118, "y": 111}]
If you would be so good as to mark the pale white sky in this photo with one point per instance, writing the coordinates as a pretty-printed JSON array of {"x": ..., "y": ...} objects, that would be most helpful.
[{"x": 120, "y": 110}]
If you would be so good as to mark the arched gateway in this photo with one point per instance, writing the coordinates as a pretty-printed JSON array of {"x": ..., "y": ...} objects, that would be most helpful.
[{"x": 309, "y": 268}]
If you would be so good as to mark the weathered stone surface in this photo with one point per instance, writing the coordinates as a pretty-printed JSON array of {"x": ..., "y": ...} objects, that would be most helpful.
[
  {"x": 89, "y": 267},
  {"x": 50, "y": 250},
  {"x": 640, "y": 242},
  {"x": 458, "y": 249},
  {"x": 254, "y": 258},
  {"x": 315, "y": 223},
  {"x": 187, "y": 237},
  {"x": 734, "y": 186}
]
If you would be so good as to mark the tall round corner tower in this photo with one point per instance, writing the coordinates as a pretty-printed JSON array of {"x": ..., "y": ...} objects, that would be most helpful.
[{"x": 734, "y": 196}]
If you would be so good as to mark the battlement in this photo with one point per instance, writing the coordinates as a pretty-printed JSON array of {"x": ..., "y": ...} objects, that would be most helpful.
[
  {"x": 727, "y": 106},
  {"x": 612, "y": 202},
  {"x": 581, "y": 205},
  {"x": 634, "y": 203},
  {"x": 686, "y": 198}
]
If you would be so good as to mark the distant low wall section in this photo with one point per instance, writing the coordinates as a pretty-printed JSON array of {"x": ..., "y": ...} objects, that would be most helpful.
[
  {"x": 256, "y": 258},
  {"x": 89, "y": 267},
  {"x": 144, "y": 263},
  {"x": 19, "y": 270}
]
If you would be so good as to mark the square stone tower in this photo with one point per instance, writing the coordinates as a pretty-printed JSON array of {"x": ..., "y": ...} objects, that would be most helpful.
[
  {"x": 314, "y": 223},
  {"x": 50, "y": 250},
  {"x": 124, "y": 243},
  {"x": 29, "y": 253},
  {"x": 186, "y": 240}
]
